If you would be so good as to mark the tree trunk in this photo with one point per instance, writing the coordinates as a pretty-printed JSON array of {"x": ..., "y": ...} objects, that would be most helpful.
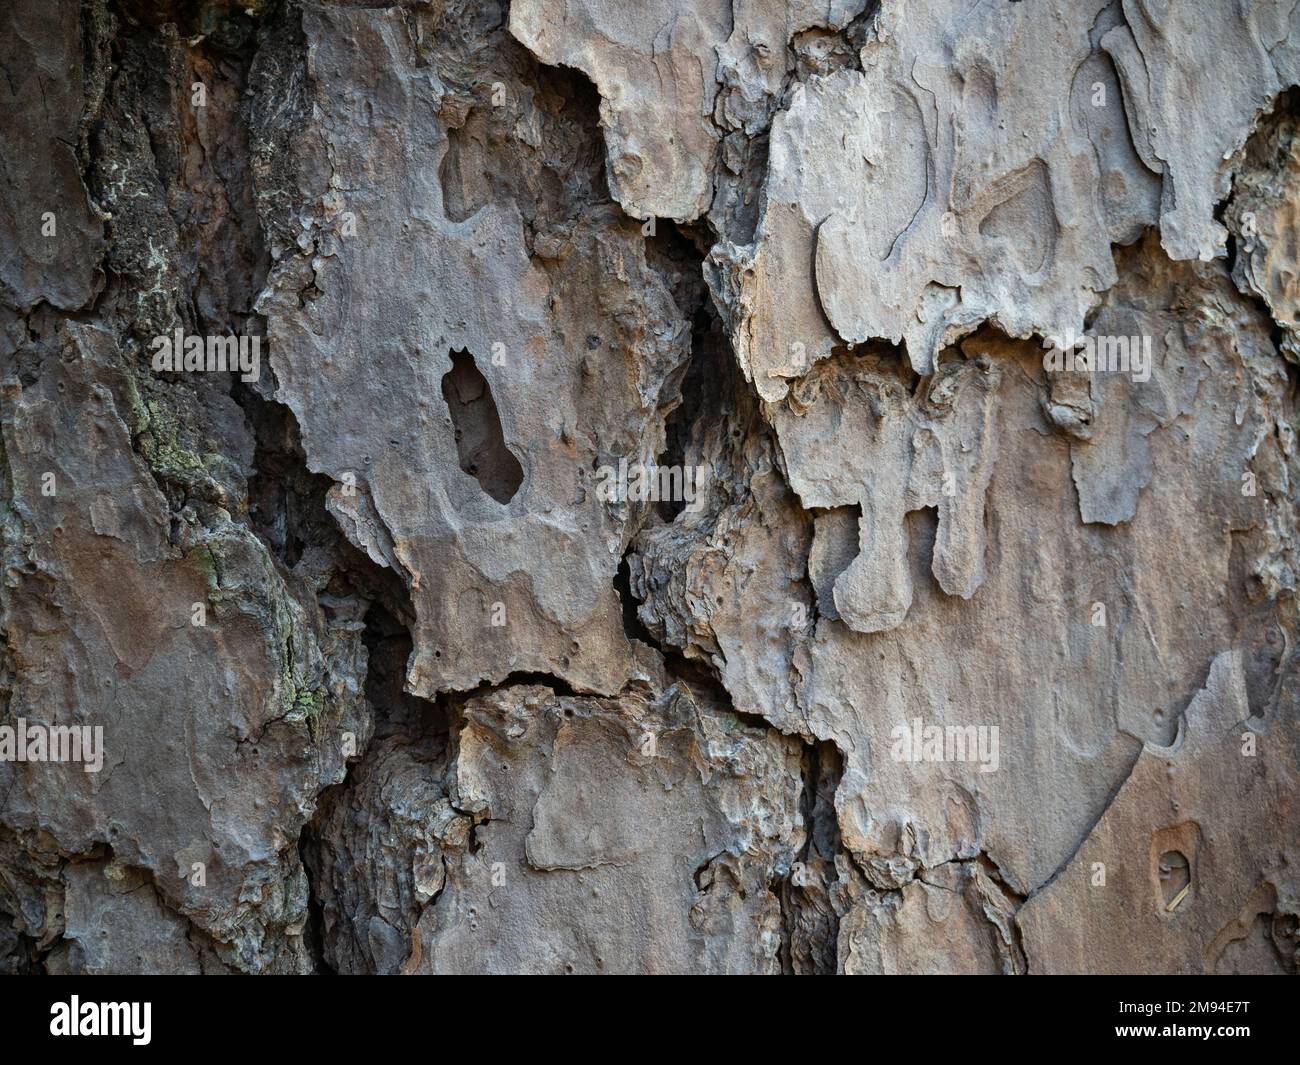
[{"x": 580, "y": 486}]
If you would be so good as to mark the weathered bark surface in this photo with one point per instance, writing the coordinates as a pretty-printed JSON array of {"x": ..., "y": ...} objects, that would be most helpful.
[{"x": 388, "y": 681}]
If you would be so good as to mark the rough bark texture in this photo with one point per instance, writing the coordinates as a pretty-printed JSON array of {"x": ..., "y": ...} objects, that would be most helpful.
[{"x": 955, "y": 659}]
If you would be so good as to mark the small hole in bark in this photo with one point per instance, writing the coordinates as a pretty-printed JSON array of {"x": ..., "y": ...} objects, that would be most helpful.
[
  {"x": 1175, "y": 873},
  {"x": 480, "y": 443}
]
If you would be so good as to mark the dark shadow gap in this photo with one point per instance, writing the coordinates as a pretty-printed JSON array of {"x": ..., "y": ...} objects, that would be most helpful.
[{"x": 480, "y": 444}]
